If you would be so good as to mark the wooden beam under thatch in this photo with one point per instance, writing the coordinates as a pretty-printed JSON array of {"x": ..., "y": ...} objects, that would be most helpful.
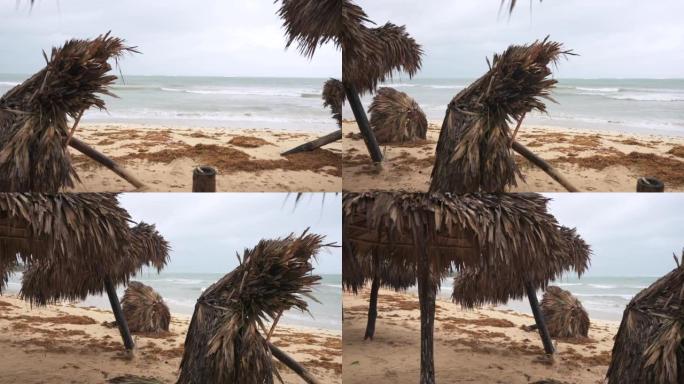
[
  {"x": 649, "y": 346},
  {"x": 227, "y": 340},
  {"x": 396, "y": 117}
]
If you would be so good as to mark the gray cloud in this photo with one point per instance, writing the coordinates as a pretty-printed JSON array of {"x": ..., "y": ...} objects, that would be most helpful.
[
  {"x": 206, "y": 230},
  {"x": 176, "y": 37},
  {"x": 615, "y": 38}
]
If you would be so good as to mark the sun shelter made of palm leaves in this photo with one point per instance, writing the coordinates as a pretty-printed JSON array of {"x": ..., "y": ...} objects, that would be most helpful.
[
  {"x": 74, "y": 245},
  {"x": 649, "y": 346},
  {"x": 228, "y": 339},
  {"x": 475, "y": 151},
  {"x": 396, "y": 117},
  {"x": 513, "y": 234},
  {"x": 35, "y": 132},
  {"x": 145, "y": 309}
]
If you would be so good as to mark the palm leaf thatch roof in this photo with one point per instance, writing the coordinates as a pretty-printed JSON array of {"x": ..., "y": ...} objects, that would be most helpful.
[
  {"x": 144, "y": 309},
  {"x": 311, "y": 23},
  {"x": 334, "y": 97},
  {"x": 649, "y": 346},
  {"x": 225, "y": 343},
  {"x": 474, "y": 149},
  {"x": 34, "y": 115},
  {"x": 564, "y": 314},
  {"x": 70, "y": 243},
  {"x": 398, "y": 275},
  {"x": 511, "y": 234},
  {"x": 496, "y": 285},
  {"x": 396, "y": 117}
]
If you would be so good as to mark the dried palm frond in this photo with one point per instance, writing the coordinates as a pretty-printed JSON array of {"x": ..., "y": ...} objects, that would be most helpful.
[
  {"x": 132, "y": 379},
  {"x": 474, "y": 150},
  {"x": 34, "y": 115},
  {"x": 226, "y": 342},
  {"x": 564, "y": 314},
  {"x": 396, "y": 117},
  {"x": 144, "y": 309},
  {"x": 649, "y": 346},
  {"x": 70, "y": 243},
  {"x": 334, "y": 97},
  {"x": 311, "y": 23}
]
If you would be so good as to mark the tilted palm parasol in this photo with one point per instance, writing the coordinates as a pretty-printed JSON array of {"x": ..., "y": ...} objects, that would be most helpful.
[
  {"x": 396, "y": 117},
  {"x": 75, "y": 245},
  {"x": 34, "y": 116},
  {"x": 144, "y": 309}
]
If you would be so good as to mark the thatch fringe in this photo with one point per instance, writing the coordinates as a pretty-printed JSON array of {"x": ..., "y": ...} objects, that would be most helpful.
[
  {"x": 34, "y": 115},
  {"x": 564, "y": 314},
  {"x": 334, "y": 97},
  {"x": 311, "y": 23},
  {"x": 71, "y": 242},
  {"x": 144, "y": 309},
  {"x": 474, "y": 149},
  {"x": 396, "y": 118},
  {"x": 226, "y": 342},
  {"x": 649, "y": 346}
]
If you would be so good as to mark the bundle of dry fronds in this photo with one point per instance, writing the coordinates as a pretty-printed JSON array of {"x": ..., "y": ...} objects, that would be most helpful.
[
  {"x": 34, "y": 127},
  {"x": 70, "y": 243},
  {"x": 227, "y": 339},
  {"x": 334, "y": 97},
  {"x": 144, "y": 309},
  {"x": 649, "y": 346},
  {"x": 396, "y": 118},
  {"x": 564, "y": 314},
  {"x": 474, "y": 150},
  {"x": 311, "y": 23}
]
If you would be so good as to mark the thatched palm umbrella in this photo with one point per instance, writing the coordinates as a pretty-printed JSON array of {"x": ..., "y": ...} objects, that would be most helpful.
[
  {"x": 649, "y": 346},
  {"x": 34, "y": 128},
  {"x": 476, "y": 143},
  {"x": 492, "y": 233},
  {"x": 228, "y": 341},
  {"x": 396, "y": 117},
  {"x": 75, "y": 245},
  {"x": 144, "y": 309},
  {"x": 564, "y": 314}
]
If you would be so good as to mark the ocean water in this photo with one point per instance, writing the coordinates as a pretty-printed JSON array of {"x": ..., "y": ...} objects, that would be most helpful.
[
  {"x": 638, "y": 106},
  {"x": 603, "y": 297},
  {"x": 181, "y": 291},
  {"x": 230, "y": 102}
]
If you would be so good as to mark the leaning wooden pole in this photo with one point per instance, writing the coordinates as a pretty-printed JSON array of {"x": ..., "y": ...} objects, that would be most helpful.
[
  {"x": 314, "y": 144},
  {"x": 539, "y": 319},
  {"x": 106, "y": 161},
  {"x": 292, "y": 364},
  {"x": 118, "y": 314},
  {"x": 362, "y": 121},
  {"x": 427, "y": 292},
  {"x": 372, "y": 308},
  {"x": 546, "y": 167}
]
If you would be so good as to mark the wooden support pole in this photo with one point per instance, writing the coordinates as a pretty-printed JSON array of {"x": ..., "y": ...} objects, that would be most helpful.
[
  {"x": 106, "y": 161},
  {"x": 292, "y": 364},
  {"x": 314, "y": 144},
  {"x": 427, "y": 292},
  {"x": 204, "y": 179},
  {"x": 362, "y": 121},
  {"x": 546, "y": 167},
  {"x": 118, "y": 314},
  {"x": 372, "y": 309},
  {"x": 539, "y": 319}
]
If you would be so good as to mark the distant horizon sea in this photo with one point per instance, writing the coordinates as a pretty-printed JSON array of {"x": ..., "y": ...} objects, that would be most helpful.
[
  {"x": 642, "y": 106},
  {"x": 181, "y": 291},
  {"x": 287, "y": 104}
]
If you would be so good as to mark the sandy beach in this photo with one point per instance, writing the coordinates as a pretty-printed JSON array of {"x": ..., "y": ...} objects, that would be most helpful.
[
  {"x": 593, "y": 161},
  {"x": 248, "y": 160},
  {"x": 481, "y": 346},
  {"x": 70, "y": 344}
]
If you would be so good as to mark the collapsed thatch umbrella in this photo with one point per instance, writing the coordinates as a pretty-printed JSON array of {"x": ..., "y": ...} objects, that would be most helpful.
[
  {"x": 144, "y": 309},
  {"x": 74, "y": 245},
  {"x": 228, "y": 341},
  {"x": 34, "y": 130},
  {"x": 509, "y": 234},
  {"x": 396, "y": 117},
  {"x": 476, "y": 143},
  {"x": 564, "y": 314},
  {"x": 649, "y": 346}
]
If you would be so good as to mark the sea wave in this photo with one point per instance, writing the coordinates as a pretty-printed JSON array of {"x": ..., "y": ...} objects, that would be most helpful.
[
  {"x": 603, "y": 286},
  {"x": 602, "y": 90},
  {"x": 157, "y": 114},
  {"x": 664, "y": 97},
  {"x": 9, "y": 83},
  {"x": 273, "y": 92}
]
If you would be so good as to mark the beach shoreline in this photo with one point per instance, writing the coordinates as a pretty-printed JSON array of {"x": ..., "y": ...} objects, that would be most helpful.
[
  {"x": 247, "y": 160},
  {"x": 592, "y": 160},
  {"x": 68, "y": 343},
  {"x": 484, "y": 345}
]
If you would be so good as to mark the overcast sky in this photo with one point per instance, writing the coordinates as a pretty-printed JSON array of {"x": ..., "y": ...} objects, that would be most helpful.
[
  {"x": 176, "y": 37},
  {"x": 631, "y": 234},
  {"x": 615, "y": 38},
  {"x": 205, "y": 230}
]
